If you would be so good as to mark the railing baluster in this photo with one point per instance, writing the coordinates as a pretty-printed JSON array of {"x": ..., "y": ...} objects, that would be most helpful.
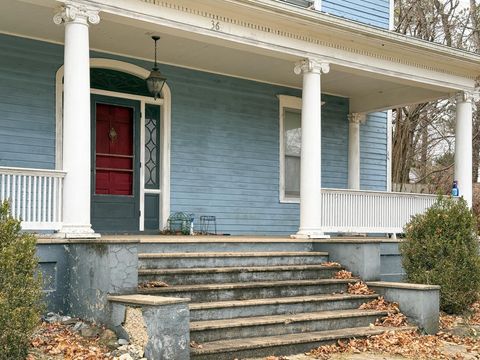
[
  {"x": 13, "y": 196},
  {"x": 2, "y": 193},
  {"x": 49, "y": 197},
  {"x": 24, "y": 197},
  {"x": 29, "y": 200},
  {"x": 34, "y": 202},
  {"x": 44, "y": 197}
]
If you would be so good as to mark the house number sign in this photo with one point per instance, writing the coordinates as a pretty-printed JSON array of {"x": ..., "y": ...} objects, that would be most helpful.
[{"x": 215, "y": 25}]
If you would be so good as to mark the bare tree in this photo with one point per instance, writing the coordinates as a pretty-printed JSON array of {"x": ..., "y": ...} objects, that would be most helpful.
[{"x": 423, "y": 133}]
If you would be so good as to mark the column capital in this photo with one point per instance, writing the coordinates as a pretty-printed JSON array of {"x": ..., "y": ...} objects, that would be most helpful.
[
  {"x": 468, "y": 96},
  {"x": 357, "y": 118},
  {"x": 76, "y": 13},
  {"x": 311, "y": 65}
]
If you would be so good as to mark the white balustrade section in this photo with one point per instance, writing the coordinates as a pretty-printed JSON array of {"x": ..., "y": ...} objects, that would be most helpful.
[
  {"x": 370, "y": 211},
  {"x": 35, "y": 196}
]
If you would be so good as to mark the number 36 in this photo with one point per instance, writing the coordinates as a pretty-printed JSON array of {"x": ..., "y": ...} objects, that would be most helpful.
[{"x": 215, "y": 25}]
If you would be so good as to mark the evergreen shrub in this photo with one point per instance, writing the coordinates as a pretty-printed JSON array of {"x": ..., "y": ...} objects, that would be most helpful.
[
  {"x": 441, "y": 248},
  {"x": 20, "y": 288}
]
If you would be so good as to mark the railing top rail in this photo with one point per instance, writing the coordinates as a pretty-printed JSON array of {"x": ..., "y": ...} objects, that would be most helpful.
[
  {"x": 6, "y": 170},
  {"x": 381, "y": 193}
]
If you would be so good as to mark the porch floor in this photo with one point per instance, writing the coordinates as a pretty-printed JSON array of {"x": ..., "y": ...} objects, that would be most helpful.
[{"x": 171, "y": 239}]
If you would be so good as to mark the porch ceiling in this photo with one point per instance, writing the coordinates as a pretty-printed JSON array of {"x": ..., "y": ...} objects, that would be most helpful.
[{"x": 367, "y": 89}]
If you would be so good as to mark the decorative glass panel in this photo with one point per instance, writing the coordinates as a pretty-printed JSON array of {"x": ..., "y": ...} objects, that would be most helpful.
[
  {"x": 112, "y": 80},
  {"x": 292, "y": 142},
  {"x": 152, "y": 146}
]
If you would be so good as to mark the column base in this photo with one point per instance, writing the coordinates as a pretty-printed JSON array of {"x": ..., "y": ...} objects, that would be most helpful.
[
  {"x": 77, "y": 232},
  {"x": 310, "y": 234}
]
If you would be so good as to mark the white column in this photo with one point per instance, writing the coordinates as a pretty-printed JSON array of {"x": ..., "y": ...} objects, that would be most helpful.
[
  {"x": 354, "y": 119},
  {"x": 310, "y": 173},
  {"x": 463, "y": 146},
  {"x": 76, "y": 119}
]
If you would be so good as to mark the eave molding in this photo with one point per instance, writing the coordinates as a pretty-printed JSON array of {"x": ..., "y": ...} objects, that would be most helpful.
[{"x": 295, "y": 40}]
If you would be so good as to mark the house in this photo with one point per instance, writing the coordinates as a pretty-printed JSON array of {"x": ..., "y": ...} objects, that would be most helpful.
[{"x": 274, "y": 118}]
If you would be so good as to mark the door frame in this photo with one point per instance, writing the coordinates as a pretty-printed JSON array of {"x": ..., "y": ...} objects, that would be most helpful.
[
  {"x": 140, "y": 138},
  {"x": 136, "y": 144},
  {"x": 165, "y": 127}
]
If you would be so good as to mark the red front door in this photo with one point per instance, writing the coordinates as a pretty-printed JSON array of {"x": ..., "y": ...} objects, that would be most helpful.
[{"x": 114, "y": 167}]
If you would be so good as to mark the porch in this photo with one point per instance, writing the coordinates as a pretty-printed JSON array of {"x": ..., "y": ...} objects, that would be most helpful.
[
  {"x": 36, "y": 197},
  {"x": 301, "y": 58}
]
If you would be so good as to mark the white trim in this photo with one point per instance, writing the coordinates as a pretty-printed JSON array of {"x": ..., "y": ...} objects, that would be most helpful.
[
  {"x": 142, "y": 167},
  {"x": 164, "y": 103},
  {"x": 389, "y": 149},
  {"x": 142, "y": 99},
  {"x": 391, "y": 17},
  {"x": 285, "y": 102},
  {"x": 276, "y": 34}
]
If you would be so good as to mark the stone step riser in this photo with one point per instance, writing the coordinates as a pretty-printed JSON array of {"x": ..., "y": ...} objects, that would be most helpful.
[
  {"x": 233, "y": 277},
  {"x": 223, "y": 247},
  {"x": 280, "y": 329},
  {"x": 275, "y": 309},
  {"x": 277, "y": 350},
  {"x": 198, "y": 262},
  {"x": 253, "y": 293}
]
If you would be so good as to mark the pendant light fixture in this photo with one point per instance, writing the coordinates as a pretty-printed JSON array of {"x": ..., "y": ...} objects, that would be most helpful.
[{"x": 156, "y": 80}]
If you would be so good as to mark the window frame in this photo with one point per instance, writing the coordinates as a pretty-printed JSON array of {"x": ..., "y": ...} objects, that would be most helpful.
[{"x": 286, "y": 102}]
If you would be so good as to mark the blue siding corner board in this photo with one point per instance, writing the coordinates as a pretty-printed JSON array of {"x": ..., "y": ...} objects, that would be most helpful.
[
  {"x": 371, "y": 12},
  {"x": 224, "y": 145}
]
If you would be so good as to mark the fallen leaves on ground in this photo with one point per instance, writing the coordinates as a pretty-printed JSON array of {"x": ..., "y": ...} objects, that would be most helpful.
[
  {"x": 343, "y": 274},
  {"x": 152, "y": 284},
  {"x": 393, "y": 319},
  {"x": 58, "y": 341},
  {"x": 276, "y": 358},
  {"x": 409, "y": 344},
  {"x": 474, "y": 319},
  {"x": 359, "y": 288},
  {"x": 330, "y": 264},
  {"x": 449, "y": 321},
  {"x": 380, "y": 304}
]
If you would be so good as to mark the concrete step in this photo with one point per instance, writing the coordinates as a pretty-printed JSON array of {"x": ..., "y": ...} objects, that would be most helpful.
[
  {"x": 182, "y": 244},
  {"x": 256, "y": 347},
  {"x": 237, "y": 274},
  {"x": 275, "y": 306},
  {"x": 227, "y": 259},
  {"x": 251, "y": 290},
  {"x": 213, "y": 330}
]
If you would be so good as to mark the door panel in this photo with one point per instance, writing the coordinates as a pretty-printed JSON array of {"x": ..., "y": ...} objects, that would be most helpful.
[
  {"x": 114, "y": 150},
  {"x": 115, "y": 164}
]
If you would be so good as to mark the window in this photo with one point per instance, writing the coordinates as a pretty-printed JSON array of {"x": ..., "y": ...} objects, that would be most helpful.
[
  {"x": 292, "y": 140},
  {"x": 290, "y": 147}
]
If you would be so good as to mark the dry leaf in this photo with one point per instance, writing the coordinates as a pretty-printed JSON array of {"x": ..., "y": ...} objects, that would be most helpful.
[
  {"x": 152, "y": 284},
  {"x": 359, "y": 288},
  {"x": 195, "y": 345},
  {"x": 343, "y": 274}
]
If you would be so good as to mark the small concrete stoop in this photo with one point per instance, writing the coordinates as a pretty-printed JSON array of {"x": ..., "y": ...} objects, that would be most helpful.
[{"x": 253, "y": 297}]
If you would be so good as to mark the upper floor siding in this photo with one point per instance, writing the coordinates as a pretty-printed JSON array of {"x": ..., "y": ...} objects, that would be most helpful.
[{"x": 371, "y": 12}]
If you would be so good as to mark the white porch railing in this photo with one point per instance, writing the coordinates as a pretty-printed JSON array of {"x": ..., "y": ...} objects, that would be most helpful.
[
  {"x": 370, "y": 211},
  {"x": 35, "y": 196}
]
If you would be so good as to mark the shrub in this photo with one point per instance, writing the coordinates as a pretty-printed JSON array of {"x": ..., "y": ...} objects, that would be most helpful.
[
  {"x": 20, "y": 288},
  {"x": 441, "y": 248}
]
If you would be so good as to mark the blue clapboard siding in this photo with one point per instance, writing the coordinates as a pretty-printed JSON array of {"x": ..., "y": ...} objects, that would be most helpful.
[
  {"x": 373, "y": 152},
  {"x": 27, "y": 97},
  {"x": 372, "y": 12},
  {"x": 225, "y": 137}
]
